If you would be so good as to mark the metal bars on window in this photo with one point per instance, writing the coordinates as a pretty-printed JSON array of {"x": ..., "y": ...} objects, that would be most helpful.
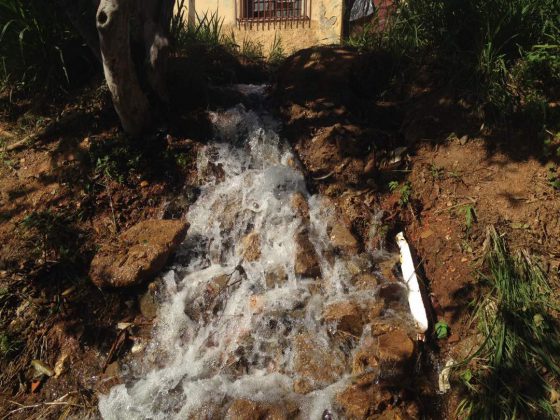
[{"x": 274, "y": 13}]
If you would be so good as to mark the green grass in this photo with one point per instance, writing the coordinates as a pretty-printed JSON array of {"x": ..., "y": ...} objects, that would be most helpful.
[
  {"x": 505, "y": 54},
  {"x": 514, "y": 370},
  {"x": 207, "y": 30},
  {"x": 38, "y": 47}
]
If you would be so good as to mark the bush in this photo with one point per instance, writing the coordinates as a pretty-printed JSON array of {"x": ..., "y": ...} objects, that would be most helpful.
[
  {"x": 508, "y": 50},
  {"x": 39, "y": 49}
]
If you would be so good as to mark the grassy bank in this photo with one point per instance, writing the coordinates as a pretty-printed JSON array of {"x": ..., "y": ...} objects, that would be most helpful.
[
  {"x": 502, "y": 54},
  {"x": 516, "y": 371}
]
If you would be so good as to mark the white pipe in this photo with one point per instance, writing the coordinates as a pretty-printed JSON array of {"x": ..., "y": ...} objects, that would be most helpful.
[{"x": 415, "y": 301}]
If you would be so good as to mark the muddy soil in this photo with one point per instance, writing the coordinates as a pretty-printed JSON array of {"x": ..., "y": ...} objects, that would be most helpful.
[{"x": 66, "y": 194}]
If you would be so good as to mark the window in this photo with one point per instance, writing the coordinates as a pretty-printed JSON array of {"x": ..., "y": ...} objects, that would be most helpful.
[{"x": 272, "y": 12}]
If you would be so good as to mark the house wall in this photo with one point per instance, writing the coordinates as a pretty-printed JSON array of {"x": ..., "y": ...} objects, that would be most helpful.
[{"x": 325, "y": 26}]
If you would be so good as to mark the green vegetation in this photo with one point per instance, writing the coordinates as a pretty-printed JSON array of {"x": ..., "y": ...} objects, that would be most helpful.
[
  {"x": 8, "y": 345},
  {"x": 441, "y": 330},
  {"x": 52, "y": 235},
  {"x": 469, "y": 213},
  {"x": 404, "y": 190},
  {"x": 504, "y": 54},
  {"x": 553, "y": 178},
  {"x": 207, "y": 30},
  {"x": 517, "y": 366},
  {"x": 38, "y": 47}
]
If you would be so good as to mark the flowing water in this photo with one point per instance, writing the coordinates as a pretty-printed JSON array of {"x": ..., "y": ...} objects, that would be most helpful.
[{"x": 234, "y": 316}]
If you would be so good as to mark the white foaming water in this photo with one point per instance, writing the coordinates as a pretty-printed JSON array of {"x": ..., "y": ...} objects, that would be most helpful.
[{"x": 227, "y": 327}]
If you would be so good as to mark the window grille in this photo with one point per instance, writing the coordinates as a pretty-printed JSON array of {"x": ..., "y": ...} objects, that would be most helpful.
[{"x": 259, "y": 13}]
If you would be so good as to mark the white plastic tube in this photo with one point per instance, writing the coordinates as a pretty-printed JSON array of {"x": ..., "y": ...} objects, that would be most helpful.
[{"x": 415, "y": 301}]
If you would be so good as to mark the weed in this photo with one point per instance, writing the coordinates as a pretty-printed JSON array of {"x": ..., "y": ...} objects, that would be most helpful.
[
  {"x": 553, "y": 178},
  {"x": 8, "y": 345},
  {"x": 277, "y": 54},
  {"x": 441, "y": 330},
  {"x": 38, "y": 46},
  {"x": 469, "y": 213},
  {"x": 206, "y": 30},
  {"x": 436, "y": 172},
  {"x": 504, "y": 52},
  {"x": 404, "y": 191},
  {"x": 456, "y": 175},
  {"x": 511, "y": 374},
  {"x": 52, "y": 235}
]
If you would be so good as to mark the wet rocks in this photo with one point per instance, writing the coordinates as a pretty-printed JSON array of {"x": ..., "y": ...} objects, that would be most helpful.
[
  {"x": 148, "y": 303},
  {"x": 361, "y": 402},
  {"x": 316, "y": 364},
  {"x": 300, "y": 206},
  {"x": 138, "y": 254},
  {"x": 307, "y": 262},
  {"x": 251, "y": 247},
  {"x": 395, "y": 348},
  {"x": 343, "y": 240},
  {"x": 365, "y": 361},
  {"x": 243, "y": 409},
  {"x": 276, "y": 277},
  {"x": 365, "y": 281},
  {"x": 346, "y": 315}
]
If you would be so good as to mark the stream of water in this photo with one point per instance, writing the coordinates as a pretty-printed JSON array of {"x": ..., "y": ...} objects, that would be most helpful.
[{"x": 233, "y": 308}]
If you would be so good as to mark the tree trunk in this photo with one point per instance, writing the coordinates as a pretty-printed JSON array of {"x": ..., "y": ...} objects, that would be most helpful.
[
  {"x": 155, "y": 18},
  {"x": 113, "y": 26}
]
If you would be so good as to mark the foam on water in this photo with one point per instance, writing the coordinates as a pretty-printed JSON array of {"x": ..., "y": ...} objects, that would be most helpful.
[{"x": 223, "y": 331}]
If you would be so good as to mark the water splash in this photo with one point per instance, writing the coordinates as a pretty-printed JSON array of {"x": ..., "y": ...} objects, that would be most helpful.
[{"x": 232, "y": 317}]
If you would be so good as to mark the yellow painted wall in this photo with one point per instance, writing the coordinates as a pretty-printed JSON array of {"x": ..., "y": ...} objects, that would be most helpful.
[{"x": 325, "y": 26}]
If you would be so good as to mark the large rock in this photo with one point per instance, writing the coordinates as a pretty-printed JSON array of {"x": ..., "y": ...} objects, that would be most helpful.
[{"x": 138, "y": 254}]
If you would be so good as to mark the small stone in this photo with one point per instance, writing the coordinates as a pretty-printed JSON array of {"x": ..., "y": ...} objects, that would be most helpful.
[
  {"x": 356, "y": 401},
  {"x": 395, "y": 348},
  {"x": 307, "y": 263},
  {"x": 276, "y": 277},
  {"x": 392, "y": 292},
  {"x": 243, "y": 409},
  {"x": 251, "y": 247},
  {"x": 365, "y": 281},
  {"x": 303, "y": 386},
  {"x": 148, "y": 305},
  {"x": 365, "y": 362},
  {"x": 61, "y": 364},
  {"x": 300, "y": 205},
  {"x": 316, "y": 362},
  {"x": 113, "y": 369},
  {"x": 346, "y": 315},
  {"x": 360, "y": 402},
  {"x": 343, "y": 240},
  {"x": 375, "y": 310},
  {"x": 256, "y": 303}
]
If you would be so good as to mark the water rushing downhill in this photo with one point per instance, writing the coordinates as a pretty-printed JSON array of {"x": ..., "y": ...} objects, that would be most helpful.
[{"x": 233, "y": 309}]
